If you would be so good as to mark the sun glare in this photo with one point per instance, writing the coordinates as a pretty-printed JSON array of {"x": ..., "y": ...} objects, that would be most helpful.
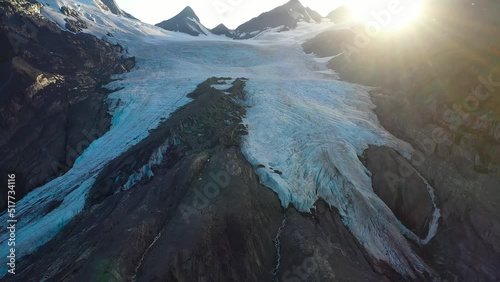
[{"x": 389, "y": 14}]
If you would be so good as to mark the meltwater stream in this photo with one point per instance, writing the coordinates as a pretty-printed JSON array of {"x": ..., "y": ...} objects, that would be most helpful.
[{"x": 300, "y": 120}]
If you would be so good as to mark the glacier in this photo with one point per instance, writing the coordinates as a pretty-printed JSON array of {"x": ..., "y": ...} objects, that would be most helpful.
[
  {"x": 301, "y": 120},
  {"x": 313, "y": 132}
]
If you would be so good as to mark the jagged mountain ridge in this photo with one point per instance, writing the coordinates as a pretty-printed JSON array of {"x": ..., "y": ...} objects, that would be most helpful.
[
  {"x": 46, "y": 86},
  {"x": 286, "y": 16}
]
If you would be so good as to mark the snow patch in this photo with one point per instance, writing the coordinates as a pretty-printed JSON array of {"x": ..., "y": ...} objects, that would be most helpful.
[{"x": 146, "y": 170}]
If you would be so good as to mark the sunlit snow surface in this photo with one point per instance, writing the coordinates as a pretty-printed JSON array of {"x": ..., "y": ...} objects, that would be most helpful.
[{"x": 301, "y": 122}]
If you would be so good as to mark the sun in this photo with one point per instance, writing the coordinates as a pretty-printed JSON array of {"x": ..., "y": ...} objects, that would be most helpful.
[{"x": 389, "y": 14}]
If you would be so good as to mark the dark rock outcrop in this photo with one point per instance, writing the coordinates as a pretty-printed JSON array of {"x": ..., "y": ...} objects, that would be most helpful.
[
  {"x": 113, "y": 7},
  {"x": 52, "y": 104},
  {"x": 328, "y": 43},
  {"x": 186, "y": 21},
  {"x": 402, "y": 189},
  {"x": 466, "y": 246},
  {"x": 318, "y": 247}
]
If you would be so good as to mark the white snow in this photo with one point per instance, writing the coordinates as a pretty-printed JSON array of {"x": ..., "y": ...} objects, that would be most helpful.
[
  {"x": 201, "y": 27},
  {"x": 222, "y": 87},
  {"x": 301, "y": 121},
  {"x": 147, "y": 169}
]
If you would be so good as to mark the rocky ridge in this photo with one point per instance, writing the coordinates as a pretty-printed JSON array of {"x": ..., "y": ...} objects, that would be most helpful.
[{"x": 53, "y": 105}]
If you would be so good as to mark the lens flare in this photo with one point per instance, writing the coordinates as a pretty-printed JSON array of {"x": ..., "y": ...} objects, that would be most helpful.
[{"x": 390, "y": 14}]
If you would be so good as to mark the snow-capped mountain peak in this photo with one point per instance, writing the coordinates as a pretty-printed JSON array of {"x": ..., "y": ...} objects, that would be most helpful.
[
  {"x": 187, "y": 22},
  {"x": 286, "y": 16},
  {"x": 188, "y": 12},
  {"x": 221, "y": 29},
  {"x": 113, "y": 8}
]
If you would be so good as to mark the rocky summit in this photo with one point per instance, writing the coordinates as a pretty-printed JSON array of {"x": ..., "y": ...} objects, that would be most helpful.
[
  {"x": 284, "y": 17},
  {"x": 186, "y": 21}
]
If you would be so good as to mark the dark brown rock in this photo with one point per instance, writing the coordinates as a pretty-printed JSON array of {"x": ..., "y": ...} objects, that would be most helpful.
[
  {"x": 318, "y": 247},
  {"x": 399, "y": 185},
  {"x": 52, "y": 104},
  {"x": 465, "y": 247}
]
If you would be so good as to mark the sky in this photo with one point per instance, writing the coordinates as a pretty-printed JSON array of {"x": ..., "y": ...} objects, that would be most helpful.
[{"x": 213, "y": 12}]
